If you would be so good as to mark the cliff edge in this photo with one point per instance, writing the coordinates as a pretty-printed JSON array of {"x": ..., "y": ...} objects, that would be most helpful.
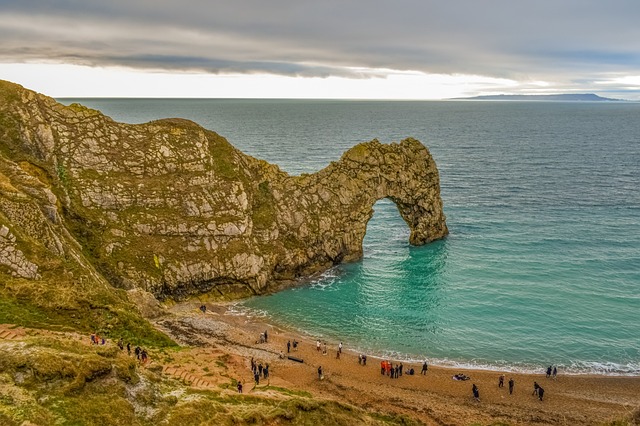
[{"x": 176, "y": 210}]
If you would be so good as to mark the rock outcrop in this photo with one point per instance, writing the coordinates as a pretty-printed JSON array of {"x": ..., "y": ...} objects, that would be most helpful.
[{"x": 174, "y": 209}]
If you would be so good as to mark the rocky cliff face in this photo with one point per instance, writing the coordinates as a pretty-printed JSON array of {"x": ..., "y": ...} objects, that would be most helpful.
[{"x": 174, "y": 209}]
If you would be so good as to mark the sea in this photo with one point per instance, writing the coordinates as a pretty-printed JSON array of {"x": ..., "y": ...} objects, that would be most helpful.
[{"x": 542, "y": 264}]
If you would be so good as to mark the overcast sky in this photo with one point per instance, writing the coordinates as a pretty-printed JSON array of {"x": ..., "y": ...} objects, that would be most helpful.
[{"x": 417, "y": 49}]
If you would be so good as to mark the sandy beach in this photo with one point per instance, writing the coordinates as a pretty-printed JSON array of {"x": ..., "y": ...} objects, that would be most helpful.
[{"x": 434, "y": 398}]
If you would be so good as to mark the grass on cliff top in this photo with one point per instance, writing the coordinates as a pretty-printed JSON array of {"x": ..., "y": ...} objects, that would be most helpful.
[{"x": 61, "y": 306}]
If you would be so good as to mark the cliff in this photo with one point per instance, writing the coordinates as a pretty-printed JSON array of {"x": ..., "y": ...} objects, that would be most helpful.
[{"x": 174, "y": 209}]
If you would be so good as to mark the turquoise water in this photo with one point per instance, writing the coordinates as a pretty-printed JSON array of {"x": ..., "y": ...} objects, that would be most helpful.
[{"x": 543, "y": 262}]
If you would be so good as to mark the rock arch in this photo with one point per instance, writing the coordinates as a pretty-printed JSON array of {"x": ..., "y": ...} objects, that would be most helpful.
[{"x": 340, "y": 199}]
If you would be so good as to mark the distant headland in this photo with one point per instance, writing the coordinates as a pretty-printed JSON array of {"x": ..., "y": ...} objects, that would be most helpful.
[{"x": 563, "y": 97}]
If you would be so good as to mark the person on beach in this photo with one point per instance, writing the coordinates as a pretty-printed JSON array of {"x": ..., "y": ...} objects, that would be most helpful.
[
  {"x": 501, "y": 381},
  {"x": 383, "y": 366},
  {"x": 400, "y": 369},
  {"x": 511, "y": 383},
  {"x": 536, "y": 386},
  {"x": 295, "y": 345},
  {"x": 129, "y": 348},
  {"x": 253, "y": 365},
  {"x": 340, "y": 347},
  {"x": 540, "y": 392},
  {"x": 260, "y": 369},
  {"x": 424, "y": 368},
  {"x": 324, "y": 348},
  {"x": 548, "y": 372},
  {"x": 256, "y": 377},
  {"x": 364, "y": 359},
  {"x": 555, "y": 372},
  {"x": 320, "y": 376},
  {"x": 137, "y": 352},
  {"x": 318, "y": 345},
  {"x": 239, "y": 386},
  {"x": 397, "y": 370},
  {"x": 265, "y": 372},
  {"x": 476, "y": 392},
  {"x": 266, "y": 336},
  {"x": 288, "y": 346}
]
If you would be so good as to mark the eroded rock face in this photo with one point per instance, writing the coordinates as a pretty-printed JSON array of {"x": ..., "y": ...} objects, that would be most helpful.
[{"x": 174, "y": 209}]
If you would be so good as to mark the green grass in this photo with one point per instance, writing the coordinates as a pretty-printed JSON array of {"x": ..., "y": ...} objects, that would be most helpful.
[
  {"x": 104, "y": 314},
  {"x": 263, "y": 212}
]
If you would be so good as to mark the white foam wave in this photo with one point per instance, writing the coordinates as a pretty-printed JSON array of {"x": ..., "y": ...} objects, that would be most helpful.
[
  {"x": 573, "y": 368},
  {"x": 326, "y": 280},
  {"x": 240, "y": 310}
]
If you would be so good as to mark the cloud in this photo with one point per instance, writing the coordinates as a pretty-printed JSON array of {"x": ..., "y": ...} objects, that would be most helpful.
[{"x": 545, "y": 40}]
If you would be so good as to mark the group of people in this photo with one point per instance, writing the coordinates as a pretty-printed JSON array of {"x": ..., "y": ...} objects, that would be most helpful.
[
  {"x": 552, "y": 372},
  {"x": 289, "y": 345},
  {"x": 511, "y": 383},
  {"x": 140, "y": 353},
  {"x": 393, "y": 371},
  {"x": 258, "y": 370},
  {"x": 97, "y": 340},
  {"x": 323, "y": 347},
  {"x": 460, "y": 376},
  {"x": 537, "y": 389}
]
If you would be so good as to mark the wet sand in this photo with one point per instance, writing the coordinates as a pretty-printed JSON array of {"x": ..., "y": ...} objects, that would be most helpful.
[{"x": 434, "y": 398}]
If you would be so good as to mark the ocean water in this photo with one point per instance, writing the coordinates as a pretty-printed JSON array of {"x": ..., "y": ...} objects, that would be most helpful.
[{"x": 542, "y": 199}]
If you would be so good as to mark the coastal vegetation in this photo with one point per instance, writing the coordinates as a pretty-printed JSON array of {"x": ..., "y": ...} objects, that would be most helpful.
[{"x": 58, "y": 379}]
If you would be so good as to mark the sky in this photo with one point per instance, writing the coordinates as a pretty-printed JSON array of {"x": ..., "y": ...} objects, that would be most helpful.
[{"x": 360, "y": 49}]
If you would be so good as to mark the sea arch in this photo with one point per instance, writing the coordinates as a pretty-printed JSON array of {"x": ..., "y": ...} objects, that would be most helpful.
[{"x": 337, "y": 202}]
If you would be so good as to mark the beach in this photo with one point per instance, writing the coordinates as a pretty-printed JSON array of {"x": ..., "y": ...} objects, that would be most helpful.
[{"x": 433, "y": 398}]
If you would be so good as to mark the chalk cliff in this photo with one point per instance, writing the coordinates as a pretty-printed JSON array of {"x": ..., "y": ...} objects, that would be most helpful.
[{"x": 175, "y": 209}]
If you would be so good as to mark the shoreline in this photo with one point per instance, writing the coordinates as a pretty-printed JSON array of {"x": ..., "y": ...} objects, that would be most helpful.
[
  {"x": 433, "y": 398},
  {"x": 269, "y": 321}
]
